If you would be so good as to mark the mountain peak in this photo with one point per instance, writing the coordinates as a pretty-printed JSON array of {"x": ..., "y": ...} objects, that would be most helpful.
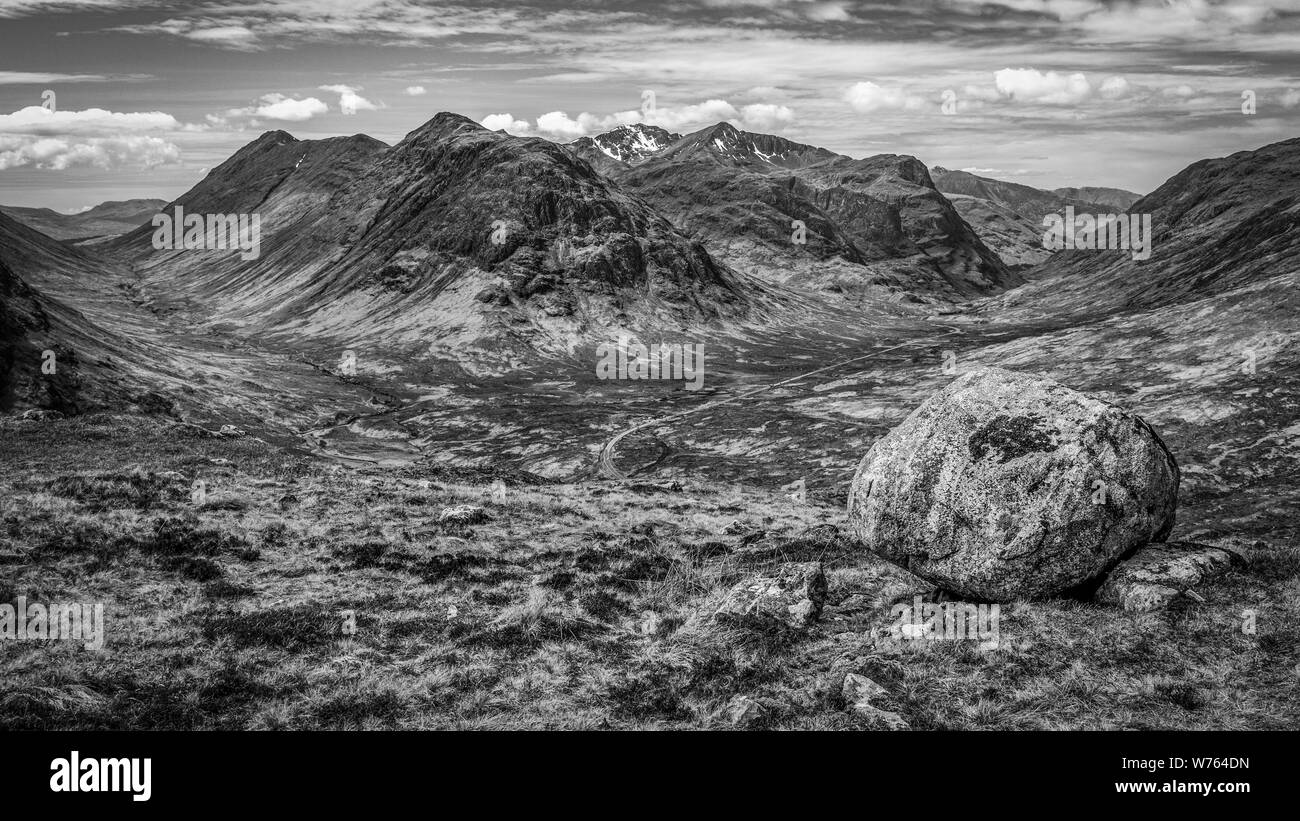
[
  {"x": 627, "y": 143},
  {"x": 276, "y": 137},
  {"x": 444, "y": 124}
]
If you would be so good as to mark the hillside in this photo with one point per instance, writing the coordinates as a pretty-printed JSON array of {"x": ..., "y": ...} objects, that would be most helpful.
[
  {"x": 457, "y": 237},
  {"x": 105, "y": 219},
  {"x": 874, "y": 229}
]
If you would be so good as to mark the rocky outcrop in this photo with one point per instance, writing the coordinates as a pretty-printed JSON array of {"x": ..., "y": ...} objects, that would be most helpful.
[
  {"x": 1006, "y": 486},
  {"x": 1158, "y": 573},
  {"x": 792, "y": 595}
]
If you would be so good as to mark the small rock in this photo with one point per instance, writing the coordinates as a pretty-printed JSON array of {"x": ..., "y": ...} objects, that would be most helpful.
[
  {"x": 37, "y": 415},
  {"x": 230, "y": 432},
  {"x": 892, "y": 721},
  {"x": 462, "y": 515},
  {"x": 792, "y": 595},
  {"x": 858, "y": 689},
  {"x": 222, "y": 463},
  {"x": 1157, "y": 574},
  {"x": 172, "y": 476},
  {"x": 744, "y": 711}
]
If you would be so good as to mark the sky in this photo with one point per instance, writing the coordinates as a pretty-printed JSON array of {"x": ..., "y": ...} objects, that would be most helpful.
[{"x": 148, "y": 96}]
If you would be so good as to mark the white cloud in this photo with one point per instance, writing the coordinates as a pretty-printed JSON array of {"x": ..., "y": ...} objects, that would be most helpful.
[
  {"x": 59, "y": 153},
  {"x": 350, "y": 102},
  {"x": 1113, "y": 88},
  {"x": 766, "y": 116},
  {"x": 867, "y": 96},
  {"x": 36, "y": 120},
  {"x": 42, "y": 77},
  {"x": 1034, "y": 86},
  {"x": 558, "y": 125},
  {"x": 1029, "y": 85},
  {"x": 415, "y": 91},
  {"x": 505, "y": 122},
  {"x": 1290, "y": 98},
  {"x": 276, "y": 106}
]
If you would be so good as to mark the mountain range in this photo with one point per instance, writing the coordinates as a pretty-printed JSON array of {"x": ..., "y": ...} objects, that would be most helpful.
[
  {"x": 468, "y": 248},
  {"x": 104, "y": 220}
]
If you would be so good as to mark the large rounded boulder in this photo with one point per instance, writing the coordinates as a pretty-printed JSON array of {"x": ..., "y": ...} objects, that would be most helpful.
[{"x": 1005, "y": 486}]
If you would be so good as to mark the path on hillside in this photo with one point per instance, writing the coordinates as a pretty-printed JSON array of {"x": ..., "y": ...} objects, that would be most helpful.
[{"x": 606, "y": 460}]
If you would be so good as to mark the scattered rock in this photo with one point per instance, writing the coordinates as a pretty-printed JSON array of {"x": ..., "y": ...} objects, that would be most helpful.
[
  {"x": 744, "y": 711},
  {"x": 231, "y": 432},
  {"x": 1005, "y": 486},
  {"x": 891, "y": 721},
  {"x": 656, "y": 487},
  {"x": 793, "y": 595},
  {"x": 172, "y": 476},
  {"x": 462, "y": 515},
  {"x": 38, "y": 415},
  {"x": 1158, "y": 573},
  {"x": 747, "y": 533},
  {"x": 858, "y": 689}
]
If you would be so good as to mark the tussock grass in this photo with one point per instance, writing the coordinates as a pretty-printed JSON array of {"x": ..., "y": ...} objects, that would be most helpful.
[{"x": 571, "y": 606}]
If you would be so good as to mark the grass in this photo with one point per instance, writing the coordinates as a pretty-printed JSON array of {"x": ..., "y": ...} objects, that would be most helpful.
[{"x": 570, "y": 606}]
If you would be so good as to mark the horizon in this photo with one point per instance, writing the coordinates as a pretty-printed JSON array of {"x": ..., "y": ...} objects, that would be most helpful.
[{"x": 1046, "y": 93}]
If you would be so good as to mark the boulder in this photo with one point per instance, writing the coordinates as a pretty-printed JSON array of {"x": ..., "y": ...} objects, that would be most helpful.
[
  {"x": 792, "y": 595},
  {"x": 1004, "y": 486},
  {"x": 1157, "y": 574}
]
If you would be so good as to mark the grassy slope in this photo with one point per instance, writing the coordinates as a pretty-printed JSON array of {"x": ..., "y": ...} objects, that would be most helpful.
[{"x": 228, "y": 615}]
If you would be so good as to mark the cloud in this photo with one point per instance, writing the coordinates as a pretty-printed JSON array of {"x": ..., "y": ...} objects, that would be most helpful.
[
  {"x": 57, "y": 153},
  {"x": 866, "y": 97},
  {"x": 14, "y": 78},
  {"x": 350, "y": 102},
  {"x": 275, "y": 106},
  {"x": 766, "y": 116},
  {"x": 39, "y": 121},
  {"x": 505, "y": 122},
  {"x": 1029, "y": 85},
  {"x": 37, "y": 137},
  {"x": 414, "y": 91},
  {"x": 558, "y": 125}
]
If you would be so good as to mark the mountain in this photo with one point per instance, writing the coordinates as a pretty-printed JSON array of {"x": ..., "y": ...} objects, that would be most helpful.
[
  {"x": 1114, "y": 198},
  {"x": 52, "y": 355},
  {"x": 1008, "y": 216},
  {"x": 458, "y": 239},
  {"x": 105, "y": 219},
  {"x": 873, "y": 229},
  {"x": 625, "y": 145},
  {"x": 1219, "y": 226},
  {"x": 1017, "y": 240}
]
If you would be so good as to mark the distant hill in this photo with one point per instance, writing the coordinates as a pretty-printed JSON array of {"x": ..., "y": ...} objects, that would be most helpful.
[
  {"x": 105, "y": 219},
  {"x": 1113, "y": 197},
  {"x": 1009, "y": 216},
  {"x": 1218, "y": 226}
]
